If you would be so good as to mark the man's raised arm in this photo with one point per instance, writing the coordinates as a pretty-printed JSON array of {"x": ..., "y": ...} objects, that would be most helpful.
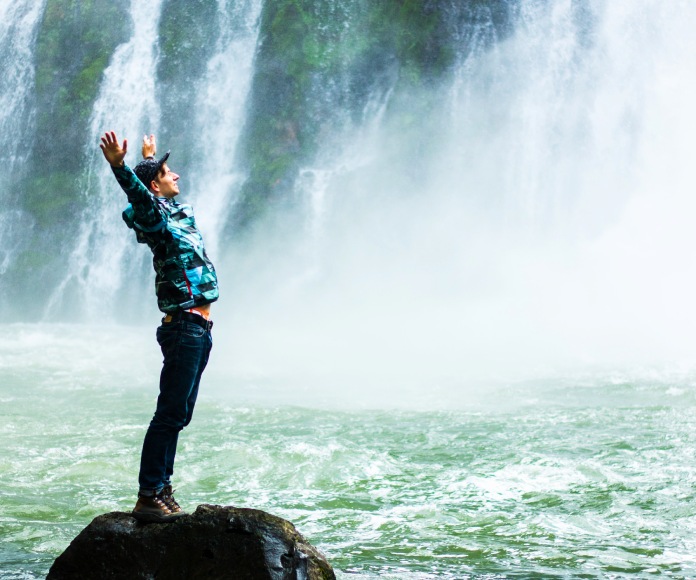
[
  {"x": 145, "y": 213},
  {"x": 149, "y": 148}
]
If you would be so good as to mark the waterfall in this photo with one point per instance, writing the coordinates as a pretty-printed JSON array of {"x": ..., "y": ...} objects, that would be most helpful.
[
  {"x": 18, "y": 24},
  {"x": 126, "y": 104},
  {"x": 534, "y": 170},
  {"x": 547, "y": 127},
  {"x": 355, "y": 148},
  {"x": 220, "y": 107},
  {"x": 106, "y": 265}
]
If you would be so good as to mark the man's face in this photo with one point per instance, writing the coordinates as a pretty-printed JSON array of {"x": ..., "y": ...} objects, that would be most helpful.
[{"x": 165, "y": 184}]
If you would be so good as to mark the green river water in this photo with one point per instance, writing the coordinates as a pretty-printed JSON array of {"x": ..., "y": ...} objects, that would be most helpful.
[{"x": 587, "y": 476}]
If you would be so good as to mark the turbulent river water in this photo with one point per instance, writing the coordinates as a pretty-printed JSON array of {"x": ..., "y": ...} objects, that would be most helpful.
[{"x": 584, "y": 476}]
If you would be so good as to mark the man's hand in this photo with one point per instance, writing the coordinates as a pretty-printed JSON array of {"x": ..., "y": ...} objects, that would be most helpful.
[
  {"x": 113, "y": 152},
  {"x": 149, "y": 146}
]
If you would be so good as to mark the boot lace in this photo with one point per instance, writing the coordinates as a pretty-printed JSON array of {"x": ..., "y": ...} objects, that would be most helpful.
[{"x": 167, "y": 497}]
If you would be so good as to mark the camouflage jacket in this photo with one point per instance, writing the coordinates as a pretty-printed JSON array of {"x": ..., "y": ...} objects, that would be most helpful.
[{"x": 184, "y": 275}]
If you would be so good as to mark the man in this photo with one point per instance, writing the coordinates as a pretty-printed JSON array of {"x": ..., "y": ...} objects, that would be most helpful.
[{"x": 186, "y": 285}]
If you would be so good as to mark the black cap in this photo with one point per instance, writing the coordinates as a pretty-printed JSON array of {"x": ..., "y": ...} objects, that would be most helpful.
[{"x": 149, "y": 168}]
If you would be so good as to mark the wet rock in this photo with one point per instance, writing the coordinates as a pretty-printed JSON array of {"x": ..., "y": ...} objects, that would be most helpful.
[{"x": 214, "y": 542}]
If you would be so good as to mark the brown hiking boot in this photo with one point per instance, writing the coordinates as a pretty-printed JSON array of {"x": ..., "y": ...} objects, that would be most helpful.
[
  {"x": 152, "y": 509},
  {"x": 167, "y": 496}
]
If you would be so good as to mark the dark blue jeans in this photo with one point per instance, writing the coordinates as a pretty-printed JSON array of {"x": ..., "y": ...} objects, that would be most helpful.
[{"x": 185, "y": 347}]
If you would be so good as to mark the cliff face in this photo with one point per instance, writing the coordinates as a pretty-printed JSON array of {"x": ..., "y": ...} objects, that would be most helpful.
[
  {"x": 319, "y": 63},
  {"x": 212, "y": 543}
]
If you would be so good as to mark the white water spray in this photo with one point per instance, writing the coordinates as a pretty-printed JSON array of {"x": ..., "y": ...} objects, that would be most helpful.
[
  {"x": 553, "y": 228},
  {"x": 18, "y": 25},
  {"x": 221, "y": 106}
]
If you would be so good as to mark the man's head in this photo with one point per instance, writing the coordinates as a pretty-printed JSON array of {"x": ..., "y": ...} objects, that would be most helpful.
[{"x": 157, "y": 177}]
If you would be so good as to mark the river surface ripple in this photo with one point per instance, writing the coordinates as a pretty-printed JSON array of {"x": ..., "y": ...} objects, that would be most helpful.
[{"x": 588, "y": 477}]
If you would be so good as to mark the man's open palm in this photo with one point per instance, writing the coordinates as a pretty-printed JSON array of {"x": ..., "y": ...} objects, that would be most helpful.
[{"x": 113, "y": 152}]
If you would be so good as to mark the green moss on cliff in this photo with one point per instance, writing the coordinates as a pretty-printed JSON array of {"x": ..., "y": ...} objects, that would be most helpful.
[
  {"x": 299, "y": 51},
  {"x": 75, "y": 41},
  {"x": 319, "y": 60}
]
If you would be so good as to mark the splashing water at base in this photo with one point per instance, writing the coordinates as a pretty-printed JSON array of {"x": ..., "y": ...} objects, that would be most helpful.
[{"x": 588, "y": 475}]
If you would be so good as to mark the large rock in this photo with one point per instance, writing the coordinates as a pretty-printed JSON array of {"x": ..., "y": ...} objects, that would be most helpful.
[{"x": 214, "y": 542}]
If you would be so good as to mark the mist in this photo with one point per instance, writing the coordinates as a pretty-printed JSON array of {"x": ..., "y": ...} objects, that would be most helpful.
[{"x": 541, "y": 226}]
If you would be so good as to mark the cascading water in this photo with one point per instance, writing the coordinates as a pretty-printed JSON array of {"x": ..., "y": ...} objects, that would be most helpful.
[
  {"x": 550, "y": 102},
  {"x": 315, "y": 183},
  {"x": 126, "y": 104},
  {"x": 222, "y": 97},
  {"x": 102, "y": 266},
  {"x": 18, "y": 26}
]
